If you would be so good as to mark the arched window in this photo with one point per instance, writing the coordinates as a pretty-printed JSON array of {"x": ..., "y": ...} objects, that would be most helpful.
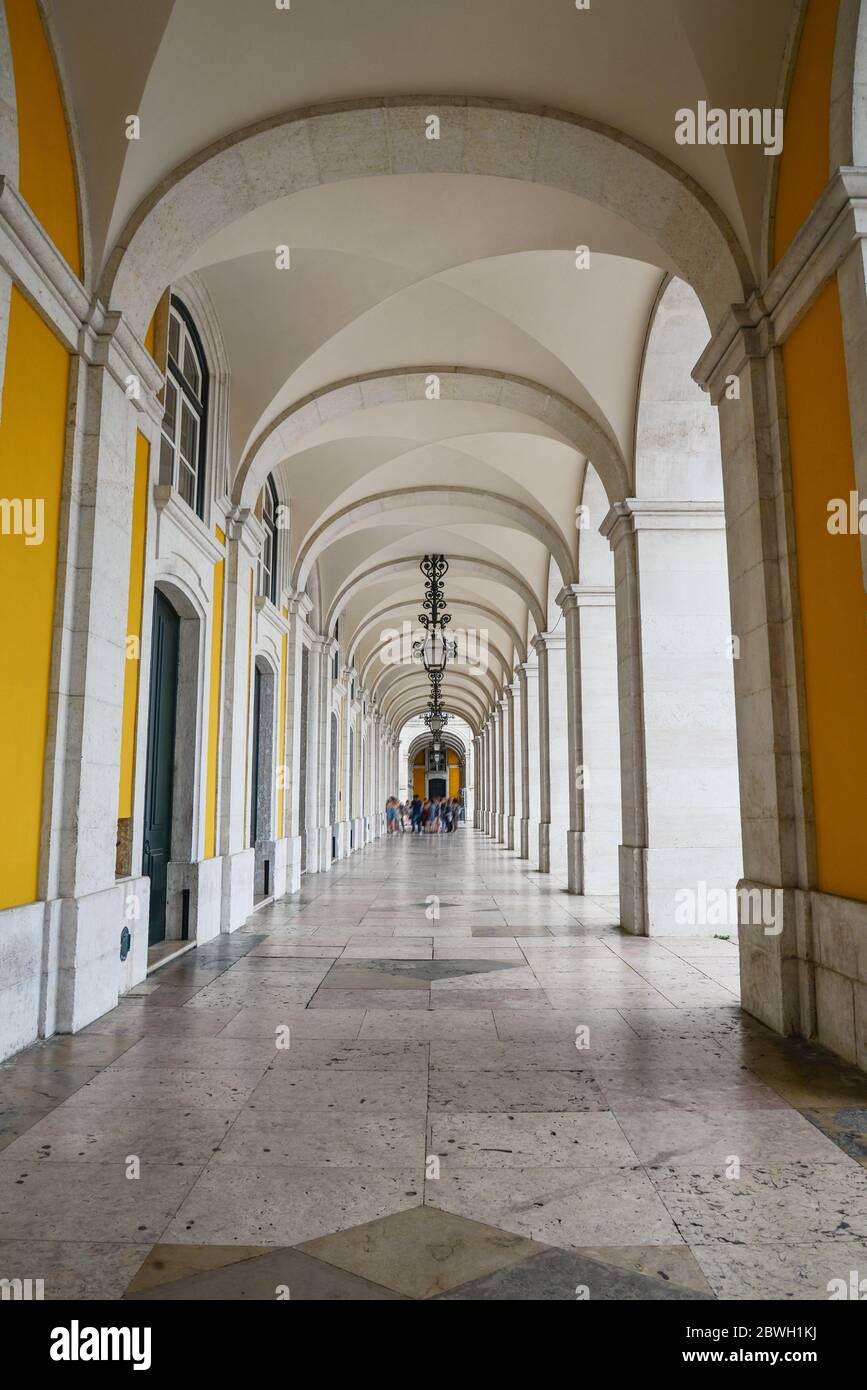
[
  {"x": 268, "y": 562},
  {"x": 183, "y": 443}
]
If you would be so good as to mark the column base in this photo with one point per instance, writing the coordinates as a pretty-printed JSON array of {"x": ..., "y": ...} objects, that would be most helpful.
[
  {"x": 544, "y": 847},
  {"x": 510, "y": 832},
  {"x": 601, "y": 868},
  {"x": 341, "y": 833},
  {"x": 679, "y": 892},
  {"x": 237, "y": 889},
  {"x": 203, "y": 880},
  {"x": 524, "y": 836},
  {"x": 326, "y": 848},
  {"x": 575, "y": 860},
  {"x": 62, "y": 959},
  {"x": 558, "y": 849},
  {"x": 290, "y": 867}
]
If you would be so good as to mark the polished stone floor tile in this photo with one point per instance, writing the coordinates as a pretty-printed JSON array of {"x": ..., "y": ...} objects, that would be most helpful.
[
  {"x": 693, "y": 1140},
  {"x": 110, "y": 1133},
  {"x": 783, "y": 1270},
  {"x": 797, "y": 1203},
  {"x": 89, "y": 1201},
  {"x": 528, "y": 1091},
  {"x": 561, "y": 1276},
  {"x": 202, "y": 1053},
  {"x": 422, "y": 1252},
  {"x": 307, "y": 1023},
  {"x": 519, "y": 1140},
  {"x": 670, "y": 1264},
  {"x": 424, "y": 1025},
  {"x": 73, "y": 1269},
  {"x": 847, "y": 1128},
  {"x": 345, "y": 1092},
  {"x": 138, "y": 1019},
  {"x": 320, "y": 1053},
  {"x": 284, "y": 1274},
  {"x": 506, "y": 1056},
  {"x": 265, "y": 1204},
  {"x": 559, "y": 1206},
  {"x": 418, "y": 998},
  {"x": 644, "y": 1091},
  {"x": 347, "y": 1138},
  {"x": 196, "y": 1087}
]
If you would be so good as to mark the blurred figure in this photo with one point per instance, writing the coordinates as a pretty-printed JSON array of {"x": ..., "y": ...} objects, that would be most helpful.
[{"x": 415, "y": 810}]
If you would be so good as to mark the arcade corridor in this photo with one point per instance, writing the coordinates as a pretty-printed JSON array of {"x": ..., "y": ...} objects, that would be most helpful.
[{"x": 436, "y": 1126}]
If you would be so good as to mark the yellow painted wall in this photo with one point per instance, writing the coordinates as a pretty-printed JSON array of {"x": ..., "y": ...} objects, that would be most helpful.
[
  {"x": 454, "y": 781},
  {"x": 214, "y": 706},
  {"x": 132, "y": 665},
  {"x": 833, "y": 605},
  {"x": 46, "y": 177},
  {"x": 418, "y": 787},
  {"x": 803, "y": 171},
  {"x": 32, "y": 435}
]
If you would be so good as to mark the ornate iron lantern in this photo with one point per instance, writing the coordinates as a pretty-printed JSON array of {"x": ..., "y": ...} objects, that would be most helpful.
[{"x": 435, "y": 649}]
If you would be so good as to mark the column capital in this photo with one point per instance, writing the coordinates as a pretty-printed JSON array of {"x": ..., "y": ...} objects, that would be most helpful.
[
  {"x": 245, "y": 529},
  {"x": 324, "y": 646},
  {"x": 585, "y": 596},
  {"x": 549, "y": 641},
  {"x": 299, "y": 604},
  {"x": 508, "y": 694},
  {"x": 528, "y": 670},
  {"x": 661, "y": 514}
]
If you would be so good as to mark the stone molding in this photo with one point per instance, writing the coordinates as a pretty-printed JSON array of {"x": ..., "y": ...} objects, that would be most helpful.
[
  {"x": 585, "y": 596},
  {"x": 101, "y": 337},
  {"x": 660, "y": 514},
  {"x": 837, "y": 223}
]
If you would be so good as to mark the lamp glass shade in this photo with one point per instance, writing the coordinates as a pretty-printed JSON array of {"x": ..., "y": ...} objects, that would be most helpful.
[
  {"x": 434, "y": 650},
  {"x": 436, "y": 724}
]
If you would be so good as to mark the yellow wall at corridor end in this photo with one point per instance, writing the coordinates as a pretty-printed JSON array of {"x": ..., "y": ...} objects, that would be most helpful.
[
  {"x": 833, "y": 604},
  {"x": 31, "y": 469}
]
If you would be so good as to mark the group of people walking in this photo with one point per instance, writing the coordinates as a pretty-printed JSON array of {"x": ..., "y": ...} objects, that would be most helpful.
[{"x": 439, "y": 815}]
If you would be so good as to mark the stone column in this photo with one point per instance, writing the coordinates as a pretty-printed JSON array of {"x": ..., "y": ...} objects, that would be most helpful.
[
  {"x": 299, "y": 606},
  {"x": 243, "y": 547},
  {"x": 678, "y": 747},
  {"x": 499, "y": 734},
  {"x": 528, "y": 683},
  {"x": 560, "y": 776},
  {"x": 544, "y": 755},
  {"x": 590, "y": 608},
  {"x": 477, "y": 781},
  {"x": 492, "y": 766},
  {"x": 326, "y": 655},
  {"x": 71, "y": 940},
  {"x": 509, "y": 718},
  {"x": 517, "y": 803}
]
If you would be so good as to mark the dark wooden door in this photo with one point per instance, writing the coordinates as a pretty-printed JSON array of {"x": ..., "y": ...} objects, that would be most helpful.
[{"x": 159, "y": 782}]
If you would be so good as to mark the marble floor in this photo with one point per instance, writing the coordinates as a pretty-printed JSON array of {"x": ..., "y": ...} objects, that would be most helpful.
[{"x": 433, "y": 1074}]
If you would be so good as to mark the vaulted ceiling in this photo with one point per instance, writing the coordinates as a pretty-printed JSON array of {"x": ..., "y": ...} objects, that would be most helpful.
[{"x": 422, "y": 273}]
